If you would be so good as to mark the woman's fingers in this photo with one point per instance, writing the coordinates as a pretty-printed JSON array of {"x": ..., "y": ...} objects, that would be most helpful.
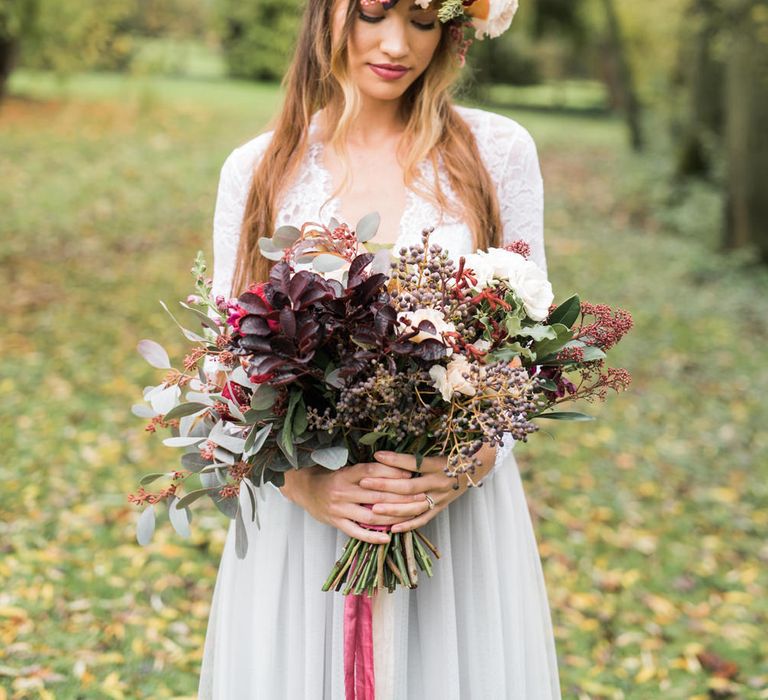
[
  {"x": 402, "y": 510},
  {"x": 407, "y": 487},
  {"x": 351, "y": 528},
  {"x": 417, "y": 522},
  {"x": 368, "y": 469},
  {"x": 403, "y": 460},
  {"x": 365, "y": 516},
  {"x": 361, "y": 495}
]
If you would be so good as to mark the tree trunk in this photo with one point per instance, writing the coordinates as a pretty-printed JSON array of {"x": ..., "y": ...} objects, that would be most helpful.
[
  {"x": 704, "y": 82},
  {"x": 746, "y": 208},
  {"x": 624, "y": 85},
  {"x": 8, "y": 48}
]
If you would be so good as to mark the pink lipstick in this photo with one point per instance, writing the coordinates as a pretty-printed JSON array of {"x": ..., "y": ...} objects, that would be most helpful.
[{"x": 388, "y": 71}]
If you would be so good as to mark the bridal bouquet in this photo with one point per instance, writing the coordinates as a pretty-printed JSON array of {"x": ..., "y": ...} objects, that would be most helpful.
[{"x": 343, "y": 352}]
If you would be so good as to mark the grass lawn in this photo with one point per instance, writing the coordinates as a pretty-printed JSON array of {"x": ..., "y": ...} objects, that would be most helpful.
[{"x": 652, "y": 521}]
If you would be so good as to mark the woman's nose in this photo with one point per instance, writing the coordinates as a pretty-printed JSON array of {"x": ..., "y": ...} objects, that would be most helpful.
[{"x": 394, "y": 41}]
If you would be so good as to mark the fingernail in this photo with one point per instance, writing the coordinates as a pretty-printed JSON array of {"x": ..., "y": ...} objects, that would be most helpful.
[{"x": 382, "y": 453}]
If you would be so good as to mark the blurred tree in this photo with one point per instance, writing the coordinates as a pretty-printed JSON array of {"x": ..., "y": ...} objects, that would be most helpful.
[
  {"x": 619, "y": 76},
  {"x": 746, "y": 133},
  {"x": 16, "y": 21},
  {"x": 701, "y": 76},
  {"x": 258, "y": 37}
]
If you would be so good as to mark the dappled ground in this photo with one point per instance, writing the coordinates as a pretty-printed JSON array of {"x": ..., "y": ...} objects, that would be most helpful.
[{"x": 652, "y": 521}]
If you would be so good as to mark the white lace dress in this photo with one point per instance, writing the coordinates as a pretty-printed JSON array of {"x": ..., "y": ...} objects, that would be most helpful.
[{"x": 479, "y": 629}]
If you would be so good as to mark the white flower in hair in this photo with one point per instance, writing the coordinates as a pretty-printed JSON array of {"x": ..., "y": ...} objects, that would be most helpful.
[{"x": 491, "y": 17}]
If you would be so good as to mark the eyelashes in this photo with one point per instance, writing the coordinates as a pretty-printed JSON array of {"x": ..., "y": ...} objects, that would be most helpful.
[{"x": 373, "y": 20}]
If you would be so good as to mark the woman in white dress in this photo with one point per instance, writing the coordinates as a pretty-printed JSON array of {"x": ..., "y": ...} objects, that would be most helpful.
[{"x": 368, "y": 125}]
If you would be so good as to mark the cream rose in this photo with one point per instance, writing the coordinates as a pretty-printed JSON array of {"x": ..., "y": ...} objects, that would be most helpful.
[
  {"x": 483, "y": 268},
  {"x": 434, "y": 316},
  {"x": 505, "y": 263},
  {"x": 532, "y": 286},
  {"x": 450, "y": 380}
]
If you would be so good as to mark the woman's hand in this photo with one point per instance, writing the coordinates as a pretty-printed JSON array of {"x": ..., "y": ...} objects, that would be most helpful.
[
  {"x": 335, "y": 497},
  {"x": 433, "y": 482}
]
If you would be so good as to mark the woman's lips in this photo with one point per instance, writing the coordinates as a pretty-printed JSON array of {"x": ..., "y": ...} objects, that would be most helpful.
[{"x": 387, "y": 73}]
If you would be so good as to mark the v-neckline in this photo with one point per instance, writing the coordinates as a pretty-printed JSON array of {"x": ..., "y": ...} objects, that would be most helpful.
[{"x": 317, "y": 149}]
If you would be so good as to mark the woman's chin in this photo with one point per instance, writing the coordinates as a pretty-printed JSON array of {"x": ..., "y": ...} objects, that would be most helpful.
[{"x": 382, "y": 92}]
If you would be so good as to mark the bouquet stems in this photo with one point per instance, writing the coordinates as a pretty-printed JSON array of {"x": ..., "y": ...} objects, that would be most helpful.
[{"x": 364, "y": 567}]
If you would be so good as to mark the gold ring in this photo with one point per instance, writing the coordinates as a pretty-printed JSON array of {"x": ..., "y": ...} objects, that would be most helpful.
[{"x": 430, "y": 500}]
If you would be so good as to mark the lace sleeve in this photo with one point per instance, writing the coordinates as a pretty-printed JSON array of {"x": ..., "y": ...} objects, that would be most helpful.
[{"x": 521, "y": 201}]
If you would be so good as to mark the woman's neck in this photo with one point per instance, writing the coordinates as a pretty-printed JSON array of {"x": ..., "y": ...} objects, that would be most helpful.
[{"x": 377, "y": 124}]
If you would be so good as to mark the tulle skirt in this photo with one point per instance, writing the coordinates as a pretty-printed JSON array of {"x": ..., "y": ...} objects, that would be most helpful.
[{"x": 480, "y": 629}]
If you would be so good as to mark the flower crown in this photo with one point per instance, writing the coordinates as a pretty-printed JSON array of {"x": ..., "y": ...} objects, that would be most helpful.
[{"x": 489, "y": 18}]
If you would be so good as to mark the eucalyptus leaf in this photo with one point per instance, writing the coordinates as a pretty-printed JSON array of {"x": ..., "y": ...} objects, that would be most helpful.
[
  {"x": 203, "y": 397},
  {"x": 228, "y": 442},
  {"x": 263, "y": 397},
  {"x": 189, "y": 335},
  {"x": 192, "y": 496},
  {"x": 327, "y": 262},
  {"x": 225, "y": 456},
  {"x": 149, "y": 478},
  {"x": 185, "y": 409},
  {"x": 333, "y": 379},
  {"x": 142, "y": 411},
  {"x": 241, "y": 536},
  {"x": 154, "y": 353},
  {"x": 246, "y": 499},
  {"x": 285, "y": 236},
  {"x": 300, "y": 420},
  {"x": 145, "y": 526},
  {"x": 182, "y": 441},
  {"x": 333, "y": 457},
  {"x": 206, "y": 320},
  {"x": 234, "y": 410},
  {"x": 194, "y": 461},
  {"x": 239, "y": 376},
  {"x": 566, "y": 415},
  {"x": 371, "y": 438},
  {"x": 268, "y": 249},
  {"x": 255, "y": 440},
  {"x": 368, "y": 226},
  {"x": 179, "y": 517}
]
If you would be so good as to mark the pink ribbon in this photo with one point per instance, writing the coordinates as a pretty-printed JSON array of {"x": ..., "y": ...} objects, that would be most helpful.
[{"x": 359, "y": 678}]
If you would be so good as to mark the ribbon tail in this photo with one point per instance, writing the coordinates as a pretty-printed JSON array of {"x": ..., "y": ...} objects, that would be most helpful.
[{"x": 359, "y": 680}]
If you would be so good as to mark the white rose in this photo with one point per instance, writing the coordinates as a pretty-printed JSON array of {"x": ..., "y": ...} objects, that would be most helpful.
[
  {"x": 450, "y": 380},
  {"x": 434, "y": 316},
  {"x": 482, "y": 267},
  {"x": 505, "y": 263},
  {"x": 492, "y": 17},
  {"x": 532, "y": 286}
]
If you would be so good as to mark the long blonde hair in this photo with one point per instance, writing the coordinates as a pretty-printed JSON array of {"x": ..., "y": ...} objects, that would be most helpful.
[{"x": 317, "y": 79}]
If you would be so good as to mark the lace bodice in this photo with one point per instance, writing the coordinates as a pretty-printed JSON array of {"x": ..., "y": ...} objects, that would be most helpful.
[{"x": 506, "y": 148}]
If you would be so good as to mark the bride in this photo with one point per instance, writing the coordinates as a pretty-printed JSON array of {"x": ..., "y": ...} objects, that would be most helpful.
[{"x": 368, "y": 124}]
